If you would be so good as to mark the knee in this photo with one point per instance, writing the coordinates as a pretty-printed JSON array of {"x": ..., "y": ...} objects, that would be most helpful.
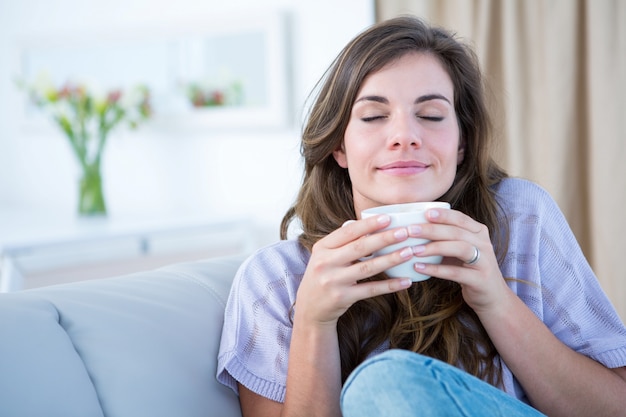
[
  {"x": 395, "y": 364},
  {"x": 395, "y": 377},
  {"x": 406, "y": 382}
]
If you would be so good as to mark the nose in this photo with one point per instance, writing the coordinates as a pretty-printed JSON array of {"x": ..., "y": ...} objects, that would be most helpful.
[{"x": 405, "y": 132}]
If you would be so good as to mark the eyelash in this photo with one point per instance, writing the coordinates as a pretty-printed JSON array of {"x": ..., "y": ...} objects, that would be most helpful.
[
  {"x": 372, "y": 118},
  {"x": 428, "y": 118},
  {"x": 432, "y": 118}
]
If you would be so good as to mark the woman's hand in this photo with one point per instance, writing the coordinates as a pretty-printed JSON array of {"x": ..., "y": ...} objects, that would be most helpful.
[
  {"x": 329, "y": 286},
  {"x": 556, "y": 379},
  {"x": 457, "y": 236}
]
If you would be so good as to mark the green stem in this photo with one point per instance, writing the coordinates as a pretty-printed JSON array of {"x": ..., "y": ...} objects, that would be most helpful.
[
  {"x": 74, "y": 143},
  {"x": 91, "y": 198}
]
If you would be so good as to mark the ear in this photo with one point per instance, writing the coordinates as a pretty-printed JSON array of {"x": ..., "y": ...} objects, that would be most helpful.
[
  {"x": 460, "y": 156},
  {"x": 340, "y": 157}
]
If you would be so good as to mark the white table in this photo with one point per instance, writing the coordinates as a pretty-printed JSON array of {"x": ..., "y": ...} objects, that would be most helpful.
[{"x": 65, "y": 239}]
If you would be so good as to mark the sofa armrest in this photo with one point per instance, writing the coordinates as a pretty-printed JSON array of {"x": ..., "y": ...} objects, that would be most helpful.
[{"x": 143, "y": 344}]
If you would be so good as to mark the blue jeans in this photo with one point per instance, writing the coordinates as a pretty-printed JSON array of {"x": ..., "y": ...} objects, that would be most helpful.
[{"x": 400, "y": 383}]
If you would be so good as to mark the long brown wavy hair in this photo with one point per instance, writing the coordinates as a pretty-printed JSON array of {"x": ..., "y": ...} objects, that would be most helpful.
[{"x": 431, "y": 317}]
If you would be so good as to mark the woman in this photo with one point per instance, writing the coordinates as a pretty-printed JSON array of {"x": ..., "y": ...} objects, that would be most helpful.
[{"x": 514, "y": 316}]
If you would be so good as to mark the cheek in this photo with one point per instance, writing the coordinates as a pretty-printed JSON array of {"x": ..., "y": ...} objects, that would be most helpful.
[
  {"x": 448, "y": 152},
  {"x": 359, "y": 143}
]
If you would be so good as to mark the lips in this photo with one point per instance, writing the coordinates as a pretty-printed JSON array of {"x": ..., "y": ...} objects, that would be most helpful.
[{"x": 403, "y": 168}]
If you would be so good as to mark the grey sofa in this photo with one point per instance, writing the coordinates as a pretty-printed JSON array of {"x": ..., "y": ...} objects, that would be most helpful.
[{"x": 138, "y": 345}]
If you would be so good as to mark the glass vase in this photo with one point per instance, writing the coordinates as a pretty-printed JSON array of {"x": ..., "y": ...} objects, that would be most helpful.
[{"x": 91, "y": 198}]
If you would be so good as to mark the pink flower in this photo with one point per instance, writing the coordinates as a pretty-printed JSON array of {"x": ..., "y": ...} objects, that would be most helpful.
[{"x": 114, "y": 96}]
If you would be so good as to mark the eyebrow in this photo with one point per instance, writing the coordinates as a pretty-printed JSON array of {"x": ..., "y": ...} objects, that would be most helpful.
[{"x": 420, "y": 99}]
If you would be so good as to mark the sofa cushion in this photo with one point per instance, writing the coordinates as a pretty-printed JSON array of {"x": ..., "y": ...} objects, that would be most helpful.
[{"x": 144, "y": 344}]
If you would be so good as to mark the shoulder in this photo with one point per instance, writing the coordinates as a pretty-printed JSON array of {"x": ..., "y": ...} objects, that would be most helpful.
[
  {"x": 524, "y": 201},
  {"x": 522, "y": 192},
  {"x": 537, "y": 234},
  {"x": 257, "y": 320},
  {"x": 285, "y": 256},
  {"x": 277, "y": 268},
  {"x": 555, "y": 279}
]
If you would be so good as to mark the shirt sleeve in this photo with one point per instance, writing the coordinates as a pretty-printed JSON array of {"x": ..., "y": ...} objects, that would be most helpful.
[
  {"x": 564, "y": 292},
  {"x": 257, "y": 325}
]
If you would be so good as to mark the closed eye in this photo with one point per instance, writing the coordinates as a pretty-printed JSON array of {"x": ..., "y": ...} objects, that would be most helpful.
[
  {"x": 372, "y": 118},
  {"x": 431, "y": 118}
]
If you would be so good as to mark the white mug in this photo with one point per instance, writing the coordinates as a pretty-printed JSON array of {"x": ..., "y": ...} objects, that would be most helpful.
[{"x": 403, "y": 215}]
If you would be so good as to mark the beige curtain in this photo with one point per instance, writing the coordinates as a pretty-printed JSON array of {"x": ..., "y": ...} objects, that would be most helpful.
[{"x": 557, "y": 73}]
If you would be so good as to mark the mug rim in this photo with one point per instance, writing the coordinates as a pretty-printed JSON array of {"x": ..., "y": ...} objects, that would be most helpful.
[{"x": 412, "y": 207}]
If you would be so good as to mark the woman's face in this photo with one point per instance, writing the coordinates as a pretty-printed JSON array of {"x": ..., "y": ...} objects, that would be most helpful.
[{"x": 402, "y": 141}]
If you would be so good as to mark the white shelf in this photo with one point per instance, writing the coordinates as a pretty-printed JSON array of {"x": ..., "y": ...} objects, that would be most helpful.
[{"x": 34, "y": 242}]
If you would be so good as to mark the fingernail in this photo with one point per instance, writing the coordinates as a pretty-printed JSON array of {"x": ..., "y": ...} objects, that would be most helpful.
[
  {"x": 400, "y": 233},
  {"x": 383, "y": 218},
  {"x": 418, "y": 249},
  {"x": 406, "y": 253},
  {"x": 419, "y": 266},
  {"x": 405, "y": 282},
  {"x": 415, "y": 229},
  {"x": 433, "y": 214}
]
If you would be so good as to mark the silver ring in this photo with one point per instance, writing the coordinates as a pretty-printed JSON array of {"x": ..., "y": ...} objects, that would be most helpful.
[{"x": 475, "y": 258}]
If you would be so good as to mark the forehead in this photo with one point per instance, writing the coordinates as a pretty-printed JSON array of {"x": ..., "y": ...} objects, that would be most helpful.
[{"x": 414, "y": 71}]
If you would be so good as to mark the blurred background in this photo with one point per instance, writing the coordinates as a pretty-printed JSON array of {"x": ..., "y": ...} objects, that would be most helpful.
[
  {"x": 176, "y": 186},
  {"x": 166, "y": 165},
  {"x": 187, "y": 178}
]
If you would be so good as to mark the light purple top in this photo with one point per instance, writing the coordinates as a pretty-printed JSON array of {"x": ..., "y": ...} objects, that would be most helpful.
[{"x": 565, "y": 295}]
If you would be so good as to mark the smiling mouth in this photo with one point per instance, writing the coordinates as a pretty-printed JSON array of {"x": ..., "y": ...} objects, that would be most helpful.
[{"x": 403, "y": 168}]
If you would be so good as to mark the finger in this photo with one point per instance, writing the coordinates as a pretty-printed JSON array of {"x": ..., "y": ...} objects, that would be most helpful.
[
  {"x": 456, "y": 228},
  {"x": 368, "y": 243},
  {"x": 466, "y": 253},
  {"x": 454, "y": 217},
  {"x": 453, "y": 271},
  {"x": 375, "y": 265},
  {"x": 353, "y": 229},
  {"x": 371, "y": 289}
]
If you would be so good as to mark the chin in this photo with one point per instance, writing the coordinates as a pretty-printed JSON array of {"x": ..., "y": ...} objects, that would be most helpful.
[
  {"x": 410, "y": 198},
  {"x": 414, "y": 199}
]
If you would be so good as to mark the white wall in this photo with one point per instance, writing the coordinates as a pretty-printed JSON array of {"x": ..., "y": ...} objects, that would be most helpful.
[{"x": 254, "y": 173}]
